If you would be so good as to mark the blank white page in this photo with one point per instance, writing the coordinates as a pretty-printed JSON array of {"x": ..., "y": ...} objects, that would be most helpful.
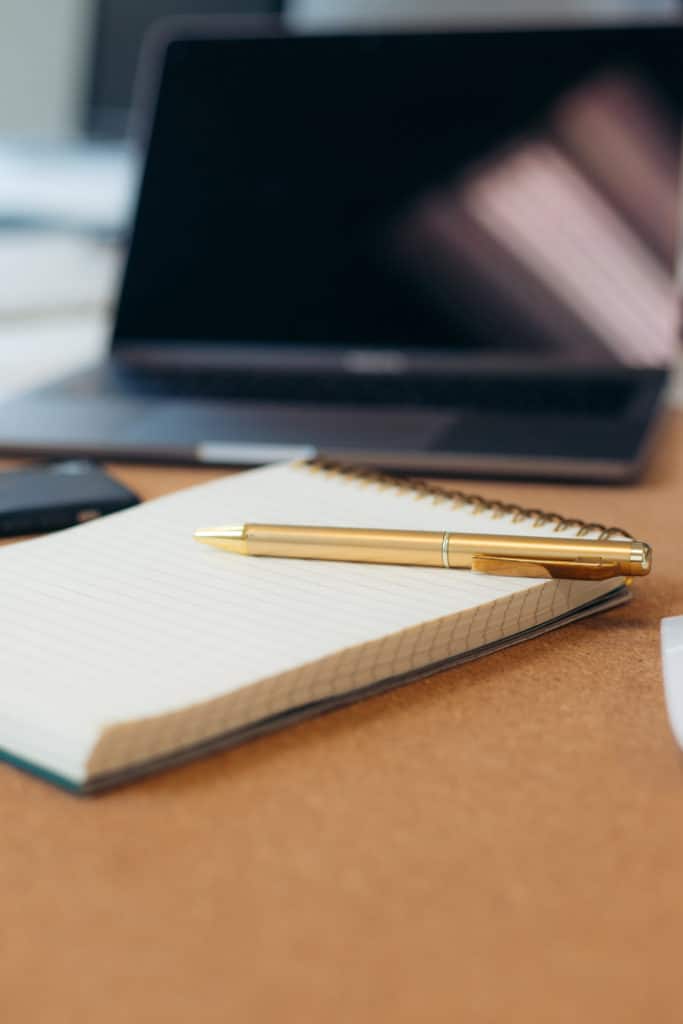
[{"x": 128, "y": 617}]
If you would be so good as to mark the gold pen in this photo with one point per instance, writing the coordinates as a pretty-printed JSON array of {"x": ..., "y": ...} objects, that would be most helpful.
[{"x": 538, "y": 557}]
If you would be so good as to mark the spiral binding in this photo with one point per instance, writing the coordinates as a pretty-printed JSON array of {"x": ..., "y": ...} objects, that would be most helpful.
[{"x": 459, "y": 499}]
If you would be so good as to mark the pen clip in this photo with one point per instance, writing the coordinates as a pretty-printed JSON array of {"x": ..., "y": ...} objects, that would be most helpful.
[{"x": 548, "y": 569}]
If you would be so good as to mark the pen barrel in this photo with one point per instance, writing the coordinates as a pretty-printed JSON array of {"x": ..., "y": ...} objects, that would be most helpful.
[
  {"x": 438, "y": 549},
  {"x": 341, "y": 544}
]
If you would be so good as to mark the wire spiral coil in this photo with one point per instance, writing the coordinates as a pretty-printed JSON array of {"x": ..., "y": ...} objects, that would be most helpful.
[{"x": 459, "y": 499}]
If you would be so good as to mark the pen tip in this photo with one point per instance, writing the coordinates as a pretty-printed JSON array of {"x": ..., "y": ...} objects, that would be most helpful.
[{"x": 231, "y": 537}]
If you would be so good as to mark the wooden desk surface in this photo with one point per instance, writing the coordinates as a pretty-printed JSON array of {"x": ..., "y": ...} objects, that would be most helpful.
[{"x": 502, "y": 842}]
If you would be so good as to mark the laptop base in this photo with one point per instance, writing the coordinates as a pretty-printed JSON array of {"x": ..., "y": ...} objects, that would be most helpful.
[{"x": 599, "y": 433}]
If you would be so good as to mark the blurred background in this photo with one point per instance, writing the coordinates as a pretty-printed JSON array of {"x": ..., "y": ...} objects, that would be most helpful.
[{"x": 69, "y": 149}]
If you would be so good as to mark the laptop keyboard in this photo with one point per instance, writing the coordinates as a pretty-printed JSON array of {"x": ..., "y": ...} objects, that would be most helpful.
[{"x": 577, "y": 396}]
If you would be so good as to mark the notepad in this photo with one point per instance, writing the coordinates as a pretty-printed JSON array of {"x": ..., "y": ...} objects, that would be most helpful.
[{"x": 127, "y": 646}]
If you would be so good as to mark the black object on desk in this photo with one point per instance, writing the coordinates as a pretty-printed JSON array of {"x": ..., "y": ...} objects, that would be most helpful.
[{"x": 51, "y": 497}]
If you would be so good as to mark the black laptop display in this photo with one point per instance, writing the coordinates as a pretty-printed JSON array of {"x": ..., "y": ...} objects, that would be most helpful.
[{"x": 433, "y": 251}]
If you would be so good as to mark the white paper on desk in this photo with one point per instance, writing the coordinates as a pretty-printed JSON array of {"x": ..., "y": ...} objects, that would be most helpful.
[
  {"x": 81, "y": 186},
  {"x": 43, "y": 273},
  {"x": 672, "y": 665}
]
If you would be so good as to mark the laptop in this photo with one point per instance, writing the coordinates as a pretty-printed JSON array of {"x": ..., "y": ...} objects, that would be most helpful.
[{"x": 435, "y": 252}]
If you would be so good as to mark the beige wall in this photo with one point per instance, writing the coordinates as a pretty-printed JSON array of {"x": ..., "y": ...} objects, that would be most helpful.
[{"x": 44, "y": 53}]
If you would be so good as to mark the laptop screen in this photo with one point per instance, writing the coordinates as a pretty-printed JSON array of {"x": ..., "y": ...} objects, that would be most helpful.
[{"x": 413, "y": 193}]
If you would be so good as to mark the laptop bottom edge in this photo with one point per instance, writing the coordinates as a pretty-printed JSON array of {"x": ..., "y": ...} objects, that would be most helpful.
[{"x": 232, "y": 454}]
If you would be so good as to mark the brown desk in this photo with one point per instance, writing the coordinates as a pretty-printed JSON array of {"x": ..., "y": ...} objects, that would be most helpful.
[{"x": 502, "y": 842}]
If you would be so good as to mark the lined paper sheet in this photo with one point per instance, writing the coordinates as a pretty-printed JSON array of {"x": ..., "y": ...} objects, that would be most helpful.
[{"x": 127, "y": 617}]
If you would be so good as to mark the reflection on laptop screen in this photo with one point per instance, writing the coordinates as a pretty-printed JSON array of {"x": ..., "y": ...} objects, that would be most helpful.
[{"x": 414, "y": 193}]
